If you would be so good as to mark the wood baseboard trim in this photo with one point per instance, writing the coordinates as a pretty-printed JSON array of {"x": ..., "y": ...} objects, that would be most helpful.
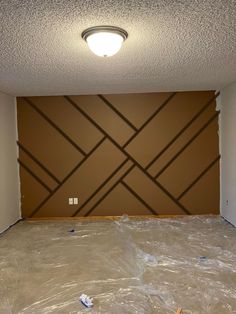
[{"x": 96, "y": 218}]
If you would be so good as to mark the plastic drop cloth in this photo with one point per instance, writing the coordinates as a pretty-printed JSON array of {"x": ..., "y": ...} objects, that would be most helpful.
[{"x": 127, "y": 266}]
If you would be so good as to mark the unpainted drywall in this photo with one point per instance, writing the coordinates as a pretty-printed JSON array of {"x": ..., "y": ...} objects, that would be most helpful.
[
  {"x": 228, "y": 152},
  {"x": 9, "y": 178}
]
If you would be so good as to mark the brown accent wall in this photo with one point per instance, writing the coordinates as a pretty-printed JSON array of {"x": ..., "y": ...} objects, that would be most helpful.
[{"x": 155, "y": 153}]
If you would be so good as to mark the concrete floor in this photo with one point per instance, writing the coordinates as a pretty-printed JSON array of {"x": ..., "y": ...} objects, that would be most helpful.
[{"x": 142, "y": 266}]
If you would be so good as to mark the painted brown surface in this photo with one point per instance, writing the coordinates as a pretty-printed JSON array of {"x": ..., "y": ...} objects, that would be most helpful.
[{"x": 139, "y": 154}]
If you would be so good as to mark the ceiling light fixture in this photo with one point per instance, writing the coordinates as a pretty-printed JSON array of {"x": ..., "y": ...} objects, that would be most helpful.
[{"x": 104, "y": 41}]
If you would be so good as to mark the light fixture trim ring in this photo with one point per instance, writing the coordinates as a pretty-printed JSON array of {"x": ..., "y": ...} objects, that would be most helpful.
[{"x": 106, "y": 28}]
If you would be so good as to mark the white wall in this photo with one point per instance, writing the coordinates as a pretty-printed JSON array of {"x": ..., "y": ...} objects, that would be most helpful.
[
  {"x": 228, "y": 153},
  {"x": 9, "y": 174}
]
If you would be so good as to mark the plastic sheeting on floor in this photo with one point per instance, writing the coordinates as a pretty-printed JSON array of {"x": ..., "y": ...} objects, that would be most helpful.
[{"x": 127, "y": 266}]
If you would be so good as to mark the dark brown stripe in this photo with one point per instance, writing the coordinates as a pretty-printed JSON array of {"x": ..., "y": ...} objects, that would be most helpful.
[
  {"x": 199, "y": 177},
  {"x": 158, "y": 184},
  {"x": 86, "y": 116},
  {"x": 66, "y": 178},
  {"x": 42, "y": 114},
  {"x": 187, "y": 144},
  {"x": 108, "y": 192},
  {"x": 128, "y": 155},
  {"x": 183, "y": 130},
  {"x": 150, "y": 118},
  {"x": 117, "y": 112},
  {"x": 139, "y": 198},
  {"x": 100, "y": 187},
  {"x": 34, "y": 176},
  {"x": 38, "y": 162}
]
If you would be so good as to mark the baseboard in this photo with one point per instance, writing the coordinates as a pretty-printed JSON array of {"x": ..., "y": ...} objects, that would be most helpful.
[{"x": 94, "y": 218}]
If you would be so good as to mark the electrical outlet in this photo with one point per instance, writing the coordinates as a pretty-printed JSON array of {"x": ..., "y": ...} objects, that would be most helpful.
[
  {"x": 227, "y": 202},
  {"x": 71, "y": 201}
]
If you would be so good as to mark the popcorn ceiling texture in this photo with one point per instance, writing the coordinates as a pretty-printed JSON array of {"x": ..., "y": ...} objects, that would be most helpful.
[{"x": 172, "y": 45}]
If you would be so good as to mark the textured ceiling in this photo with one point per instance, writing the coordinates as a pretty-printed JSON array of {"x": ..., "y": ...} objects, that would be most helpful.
[{"x": 172, "y": 45}]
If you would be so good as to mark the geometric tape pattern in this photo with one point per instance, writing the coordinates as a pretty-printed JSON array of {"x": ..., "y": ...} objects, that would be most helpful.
[{"x": 118, "y": 157}]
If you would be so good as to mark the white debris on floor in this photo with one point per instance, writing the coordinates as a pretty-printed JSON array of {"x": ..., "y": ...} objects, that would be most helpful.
[
  {"x": 128, "y": 266},
  {"x": 86, "y": 300}
]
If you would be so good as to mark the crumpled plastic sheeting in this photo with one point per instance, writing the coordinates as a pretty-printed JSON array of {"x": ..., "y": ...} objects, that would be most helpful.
[{"x": 127, "y": 266}]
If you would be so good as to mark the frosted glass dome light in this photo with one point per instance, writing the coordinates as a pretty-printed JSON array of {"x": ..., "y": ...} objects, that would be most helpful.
[{"x": 104, "y": 41}]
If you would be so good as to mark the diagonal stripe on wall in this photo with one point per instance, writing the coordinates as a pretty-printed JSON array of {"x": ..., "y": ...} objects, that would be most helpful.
[{"x": 146, "y": 152}]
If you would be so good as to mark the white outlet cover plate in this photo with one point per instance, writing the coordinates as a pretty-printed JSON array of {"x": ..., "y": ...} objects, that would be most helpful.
[{"x": 71, "y": 201}]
